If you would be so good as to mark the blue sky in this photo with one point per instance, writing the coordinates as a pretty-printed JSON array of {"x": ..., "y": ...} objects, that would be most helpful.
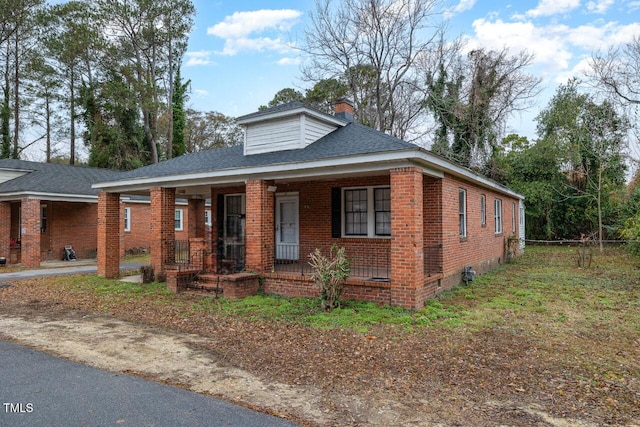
[{"x": 242, "y": 52}]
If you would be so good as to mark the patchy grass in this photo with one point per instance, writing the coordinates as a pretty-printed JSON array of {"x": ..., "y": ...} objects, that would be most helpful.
[{"x": 538, "y": 331}]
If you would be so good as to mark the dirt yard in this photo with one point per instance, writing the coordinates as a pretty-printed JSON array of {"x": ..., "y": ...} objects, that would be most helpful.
[{"x": 512, "y": 374}]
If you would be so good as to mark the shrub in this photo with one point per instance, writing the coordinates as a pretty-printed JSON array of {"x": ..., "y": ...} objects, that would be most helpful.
[{"x": 330, "y": 275}]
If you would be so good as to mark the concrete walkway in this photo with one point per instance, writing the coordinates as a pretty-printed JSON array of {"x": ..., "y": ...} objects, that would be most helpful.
[{"x": 61, "y": 268}]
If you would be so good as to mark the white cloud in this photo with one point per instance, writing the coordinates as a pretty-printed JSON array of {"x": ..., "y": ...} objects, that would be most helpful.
[
  {"x": 289, "y": 61},
  {"x": 599, "y": 6},
  {"x": 556, "y": 47},
  {"x": 243, "y": 31},
  {"x": 553, "y": 7},
  {"x": 200, "y": 93},
  {"x": 465, "y": 5},
  {"x": 199, "y": 57}
]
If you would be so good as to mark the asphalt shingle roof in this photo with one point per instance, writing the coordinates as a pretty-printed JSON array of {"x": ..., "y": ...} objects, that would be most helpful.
[
  {"x": 351, "y": 140},
  {"x": 54, "y": 178}
]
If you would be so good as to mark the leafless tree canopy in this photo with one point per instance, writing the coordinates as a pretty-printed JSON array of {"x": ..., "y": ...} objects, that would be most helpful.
[
  {"x": 618, "y": 71},
  {"x": 373, "y": 45}
]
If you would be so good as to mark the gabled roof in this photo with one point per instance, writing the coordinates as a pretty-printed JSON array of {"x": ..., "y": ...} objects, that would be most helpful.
[
  {"x": 50, "y": 180},
  {"x": 287, "y": 109},
  {"x": 351, "y": 140}
]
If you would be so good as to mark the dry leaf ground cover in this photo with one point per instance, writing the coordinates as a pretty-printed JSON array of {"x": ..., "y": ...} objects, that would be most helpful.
[{"x": 539, "y": 342}]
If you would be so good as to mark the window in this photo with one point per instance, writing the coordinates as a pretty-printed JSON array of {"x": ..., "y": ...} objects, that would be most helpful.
[
  {"x": 462, "y": 212},
  {"x": 178, "y": 220},
  {"x": 127, "y": 219},
  {"x": 355, "y": 212},
  {"x": 207, "y": 217},
  {"x": 521, "y": 217},
  {"x": 367, "y": 211},
  {"x": 43, "y": 218},
  {"x": 382, "y": 202},
  {"x": 513, "y": 217},
  {"x": 483, "y": 210},
  {"x": 498, "y": 215}
]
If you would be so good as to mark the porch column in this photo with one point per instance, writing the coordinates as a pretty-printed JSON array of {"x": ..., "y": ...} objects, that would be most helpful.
[
  {"x": 259, "y": 231},
  {"x": 5, "y": 230},
  {"x": 195, "y": 218},
  {"x": 163, "y": 232},
  {"x": 30, "y": 233},
  {"x": 407, "y": 237},
  {"x": 109, "y": 231}
]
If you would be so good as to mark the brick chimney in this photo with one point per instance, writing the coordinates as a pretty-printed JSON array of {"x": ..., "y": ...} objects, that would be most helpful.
[{"x": 343, "y": 109}]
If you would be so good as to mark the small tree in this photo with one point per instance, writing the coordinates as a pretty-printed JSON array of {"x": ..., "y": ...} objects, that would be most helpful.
[{"x": 330, "y": 275}]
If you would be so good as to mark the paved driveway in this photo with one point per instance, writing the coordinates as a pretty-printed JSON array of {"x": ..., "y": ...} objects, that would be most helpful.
[
  {"x": 40, "y": 390},
  {"x": 59, "y": 271}
]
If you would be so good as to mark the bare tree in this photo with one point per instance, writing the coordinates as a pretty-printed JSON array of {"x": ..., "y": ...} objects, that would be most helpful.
[
  {"x": 472, "y": 96},
  {"x": 373, "y": 46},
  {"x": 618, "y": 71}
]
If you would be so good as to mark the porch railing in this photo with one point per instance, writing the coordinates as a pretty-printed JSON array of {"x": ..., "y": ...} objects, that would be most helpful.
[
  {"x": 365, "y": 262},
  {"x": 181, "y": 252}
]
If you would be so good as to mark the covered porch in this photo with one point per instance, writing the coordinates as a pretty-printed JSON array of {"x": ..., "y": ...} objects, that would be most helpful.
[{"x": 270, "y": 226}]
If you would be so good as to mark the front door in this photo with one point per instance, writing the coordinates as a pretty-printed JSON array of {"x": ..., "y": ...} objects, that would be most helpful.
[{"x": 287, "y": 226}]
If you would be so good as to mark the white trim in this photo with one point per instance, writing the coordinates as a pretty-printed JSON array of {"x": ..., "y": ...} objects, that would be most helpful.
[
  {"x": 34, "y": 195},
  {"x": 281, "y": 114},
  {"x": 127, "y": 218},
  {"x": 371, "y": 213},
  {"x": 462, "y": 213},
  {"x": 497, "y": 219},
  {"x": 180, "y": 213}
]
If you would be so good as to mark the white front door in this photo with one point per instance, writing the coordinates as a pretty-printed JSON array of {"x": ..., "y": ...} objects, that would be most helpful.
[{"x": 287, "y": 225}]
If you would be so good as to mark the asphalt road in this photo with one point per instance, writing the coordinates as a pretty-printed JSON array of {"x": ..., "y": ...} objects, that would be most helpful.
[{"x": 40, "y": 390}]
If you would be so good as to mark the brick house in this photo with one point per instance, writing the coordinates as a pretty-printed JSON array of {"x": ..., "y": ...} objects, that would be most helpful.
[
  {"x": 45, "y": 207},
  {"x": 410, "y": 221}
]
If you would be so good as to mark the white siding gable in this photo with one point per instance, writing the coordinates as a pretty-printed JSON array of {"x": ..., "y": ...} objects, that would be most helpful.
[
  {"x": 288, "y": 132},
  {"x": 7, "y": 175}
]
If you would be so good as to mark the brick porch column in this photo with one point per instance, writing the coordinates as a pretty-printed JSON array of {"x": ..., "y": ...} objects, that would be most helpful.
[
  {"x": 195, "y": 218},
  {"x": 5, "y": 229},
  {"x": 407, "y": 237},
  {"x": 109, "y": 229},
  {"x": 259, "y": 231},
  {"x": 163, "y": 233},
  {"x": 30, "y": 233}
]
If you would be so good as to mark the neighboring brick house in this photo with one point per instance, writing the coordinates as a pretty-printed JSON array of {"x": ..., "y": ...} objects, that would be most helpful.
[
  {"x": 410, "y": 221},
  {"x": 45, "y": 207}
]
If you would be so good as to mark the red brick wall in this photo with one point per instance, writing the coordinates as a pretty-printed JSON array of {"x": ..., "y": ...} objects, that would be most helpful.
[
  {"x": 109, "y": 227},
  {"x": 72, "y": 224},
  {"x": 31, "y": 233},
  {"x": 139, "y": 235},
  {"x": 407, "y": 237},
  {"x": 162, "y": 227},
  {"x": 5, "y": 229},
  {"x": 259, "y": 234},
  {"x": 483, "y": 249}
]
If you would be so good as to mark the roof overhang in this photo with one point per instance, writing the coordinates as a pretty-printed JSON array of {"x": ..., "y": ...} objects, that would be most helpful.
[
  {"x": 254, "y": 118},
  {"x": 361, "y": 164},
  {"x": 54, "y": 197}
]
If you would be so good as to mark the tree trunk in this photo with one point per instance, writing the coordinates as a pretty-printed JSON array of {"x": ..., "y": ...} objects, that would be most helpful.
[
  {"x": 16, "y": 99},
  {"x": 72, "y": 143},
  {"x": 600, "y": 207}
]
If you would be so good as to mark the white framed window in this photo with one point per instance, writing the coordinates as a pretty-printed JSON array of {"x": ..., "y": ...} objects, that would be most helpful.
[
  {"x": 513, "y": 217},
  {"x": 207, "y": 217},
  {"x": 127, "y": 219},
  {"x": 367, "y": 211},
  {"x": 483, "y": 210},
  {"x": 462, "y": 212},
  {"x": 521, "y": 216},
  {"x": 498, "y": 215},
  {"x": 178, "y": 223}
]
